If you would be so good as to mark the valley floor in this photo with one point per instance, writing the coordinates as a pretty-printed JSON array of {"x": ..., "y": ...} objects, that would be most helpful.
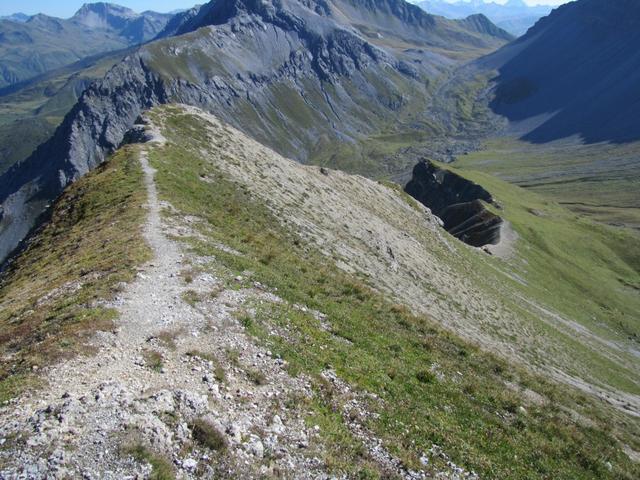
[{"x": 600, "y": 181}]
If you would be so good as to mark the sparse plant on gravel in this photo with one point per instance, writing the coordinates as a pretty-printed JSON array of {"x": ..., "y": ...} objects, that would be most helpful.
[
  {"x": 256, "y": 377},
  {"x": 161, "y": 467},
  {"x": 206, "y": 434},
  {"x": 191, "y": 297},
  {"x": 153, "y": 360}
]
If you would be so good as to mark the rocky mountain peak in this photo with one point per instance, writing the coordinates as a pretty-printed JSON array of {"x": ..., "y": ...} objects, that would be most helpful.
[
  {"x": 481, "y": 23},
  {"x": 282, "y": 12},
  {"x": 104, "y": 15},
  {"x": 16, "y": 17}
]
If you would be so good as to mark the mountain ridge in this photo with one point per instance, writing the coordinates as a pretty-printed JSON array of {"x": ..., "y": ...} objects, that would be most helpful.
[
  {"x": 346, "y": 86},
  {"x": 514, "y": 16},
  {"x": 270, "y": 305},
  {"x": 43, "y": 43},
  {"x": 16, "y": 17}
]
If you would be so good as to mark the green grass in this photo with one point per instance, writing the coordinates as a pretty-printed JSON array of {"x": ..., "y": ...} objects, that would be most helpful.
[
  {"x": 434, "y": 387},
  {"x": 161, "y": 468},
  {"x": 48, "y": 295},
  {"x": 19, "y": 139},
  {"x": 581, "y": 268},
  {"x": 600, "y": 181}
]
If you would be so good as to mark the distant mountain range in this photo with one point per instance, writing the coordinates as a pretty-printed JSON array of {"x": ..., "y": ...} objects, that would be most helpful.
[
  {"x": 34, "y": 45},
  {"x": 577, "y": 72},
  {"x": 16, "y": 17},
  {"x": 305, "y": 77},
  {"x": 515, "y": 16}
]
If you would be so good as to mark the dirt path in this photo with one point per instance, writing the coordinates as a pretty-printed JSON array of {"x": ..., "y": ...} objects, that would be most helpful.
[
  {"x": 167, "y": 364},
  {"x": 178, "y": 355}
]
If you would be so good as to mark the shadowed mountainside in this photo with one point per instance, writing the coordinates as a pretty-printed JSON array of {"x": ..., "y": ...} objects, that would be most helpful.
[{"x": 577, "y": 72}]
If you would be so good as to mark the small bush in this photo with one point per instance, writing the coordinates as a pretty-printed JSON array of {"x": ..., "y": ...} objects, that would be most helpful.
[
  {"x": 191, "y": 297},
  {"x": 153, "y": 360},
  {"x": 219, "y": 374},
  {"x": 208, "y": 435},
  {"x": 425, "y": 376},
  {"x": 257, "y": 377}
]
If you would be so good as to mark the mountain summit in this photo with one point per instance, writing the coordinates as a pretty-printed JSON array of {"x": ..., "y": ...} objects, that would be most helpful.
[
  {"x": 135, "y": 27},
  {"x": 104, "y": 15},
  {"x": 42, "y": 43},
  {"x": 515, "y": 16}
]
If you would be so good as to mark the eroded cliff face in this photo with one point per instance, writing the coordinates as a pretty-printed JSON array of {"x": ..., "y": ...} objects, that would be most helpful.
[
  {"x": 458, "y": 203},
  {"x": 92, "y": 130}
]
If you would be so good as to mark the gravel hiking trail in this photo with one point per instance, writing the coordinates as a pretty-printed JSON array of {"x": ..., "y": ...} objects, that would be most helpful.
[{"x": 169, "y": 363}]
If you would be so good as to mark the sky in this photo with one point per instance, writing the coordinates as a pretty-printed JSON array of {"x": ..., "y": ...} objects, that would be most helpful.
[{"x": 66, "y": 8}]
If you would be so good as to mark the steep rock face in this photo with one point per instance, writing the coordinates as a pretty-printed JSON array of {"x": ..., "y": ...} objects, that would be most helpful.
[
  {"x": 458, "y": 203},
  {"x": 94, "y": 127},
  {"x": 306, "y": 78},
  {"x": 178, "y": 21}
]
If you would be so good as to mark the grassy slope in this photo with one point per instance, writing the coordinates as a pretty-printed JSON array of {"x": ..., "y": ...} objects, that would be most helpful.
[
  {"x": 586, "y": 272},
  {"x": 49, "y": 295},
  {"x": 601, "y": 181},
  {"x": 379, "y": 347}
]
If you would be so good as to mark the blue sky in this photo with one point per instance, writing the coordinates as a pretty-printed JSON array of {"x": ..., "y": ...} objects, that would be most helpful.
[{"x": 66, "y": 8}]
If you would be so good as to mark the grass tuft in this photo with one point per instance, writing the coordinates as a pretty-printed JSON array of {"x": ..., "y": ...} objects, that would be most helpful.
[
  {"x": 161, "y": 467},
  {"x": 206, "y": 434}
]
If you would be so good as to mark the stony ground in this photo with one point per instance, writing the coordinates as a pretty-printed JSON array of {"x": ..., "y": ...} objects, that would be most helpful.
[{"x": 171, "y": 364}]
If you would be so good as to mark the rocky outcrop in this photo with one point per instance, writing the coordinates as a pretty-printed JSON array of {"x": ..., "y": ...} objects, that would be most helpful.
[{"x": 458, "y": 202}]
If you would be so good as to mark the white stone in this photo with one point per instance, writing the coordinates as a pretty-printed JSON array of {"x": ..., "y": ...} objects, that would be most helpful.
[{"x": 190, "y": 464}]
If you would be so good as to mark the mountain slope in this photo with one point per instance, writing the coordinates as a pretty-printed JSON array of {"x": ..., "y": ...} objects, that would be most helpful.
[
  {"x": 575, "y": 73},
  {"x": 30, "y": 111},
  {"x": 515, "y": 16},
  {"x": 44, "y": 43},
  {"x": 262, "y": 325},
  {"x": 307, "y": 82}
]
